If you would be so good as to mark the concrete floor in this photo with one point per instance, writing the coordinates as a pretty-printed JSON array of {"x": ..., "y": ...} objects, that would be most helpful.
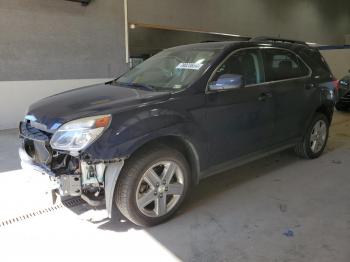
[{"x": 240, "y": 215}]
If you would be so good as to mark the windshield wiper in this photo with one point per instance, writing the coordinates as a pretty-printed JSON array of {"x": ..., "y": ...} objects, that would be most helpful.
[{"x": 144, "y": 86}]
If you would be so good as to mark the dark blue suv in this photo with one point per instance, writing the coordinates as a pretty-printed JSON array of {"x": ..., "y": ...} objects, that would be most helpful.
[{"x": 142, "y": 140}]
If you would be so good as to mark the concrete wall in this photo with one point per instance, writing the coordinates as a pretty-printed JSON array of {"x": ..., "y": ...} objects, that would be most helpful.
[
  {"x": 16, "y": 96},
  {"x": 60, "y": 43},
  {"x": 151, "y": 41},
  {"x": 338, "y": 60},
  {"x": 57, "y": 39},
  {"x": 347, "y": 39},
  {"x": 319, "y": 21}
]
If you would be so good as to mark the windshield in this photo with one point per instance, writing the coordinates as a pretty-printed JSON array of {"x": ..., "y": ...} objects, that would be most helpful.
[{"x": 172, "y": 69}]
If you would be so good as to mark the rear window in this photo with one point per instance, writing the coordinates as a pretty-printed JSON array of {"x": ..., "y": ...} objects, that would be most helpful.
[{"x": 282, "y": 64}]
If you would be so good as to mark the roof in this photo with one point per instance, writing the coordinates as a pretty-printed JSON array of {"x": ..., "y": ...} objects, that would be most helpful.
[{"x": 254, "y": 42}]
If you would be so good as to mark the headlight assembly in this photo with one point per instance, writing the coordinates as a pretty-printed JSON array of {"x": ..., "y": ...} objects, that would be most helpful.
[{"x": 78, "y": 134}]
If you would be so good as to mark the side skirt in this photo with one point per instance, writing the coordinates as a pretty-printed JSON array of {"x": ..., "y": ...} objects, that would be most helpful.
[{"x": 246, "y": 159}]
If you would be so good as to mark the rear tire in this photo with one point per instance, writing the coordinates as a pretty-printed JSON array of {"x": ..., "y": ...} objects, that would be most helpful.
[
  {"x": 315, "y": 139},
  {"x": 145, "y": 186}
]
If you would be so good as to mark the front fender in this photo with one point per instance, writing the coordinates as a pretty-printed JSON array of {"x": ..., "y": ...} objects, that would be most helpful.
[{"x": 127, "y": 134}]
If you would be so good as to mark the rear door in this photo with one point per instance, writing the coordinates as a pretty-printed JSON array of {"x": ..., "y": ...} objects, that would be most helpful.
[
  {"x": 240, "y": 120},
  {"x": 289, "y": 80}
]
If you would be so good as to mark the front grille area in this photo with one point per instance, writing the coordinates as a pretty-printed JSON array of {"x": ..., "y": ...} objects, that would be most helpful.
[
  {"x": 42, "y": 152},
  {"x": 345, "y": 98},
  {"x": 36, "y": 143},
  {"x": 347, "y": 95},
  {"x": 29, "y": 132}
]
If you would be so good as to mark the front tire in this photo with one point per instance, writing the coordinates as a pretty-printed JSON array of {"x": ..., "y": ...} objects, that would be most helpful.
[
  {"x": 152, "y": 185},
  {"x": 315, "y": 139}
]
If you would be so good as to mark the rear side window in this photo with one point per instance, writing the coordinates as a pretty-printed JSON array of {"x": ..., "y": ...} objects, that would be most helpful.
[{"x": 282, "y": 64}]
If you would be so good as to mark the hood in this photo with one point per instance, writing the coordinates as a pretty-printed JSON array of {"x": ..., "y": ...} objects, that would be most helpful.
[{"x": 92, "y": 100}]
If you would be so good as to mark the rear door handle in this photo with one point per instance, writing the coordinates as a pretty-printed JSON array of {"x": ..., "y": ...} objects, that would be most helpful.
[{"x": 264, "y": 96}]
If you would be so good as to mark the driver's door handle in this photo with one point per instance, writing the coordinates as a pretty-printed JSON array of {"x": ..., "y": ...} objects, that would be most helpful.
[{"x": 264, "y": 96}]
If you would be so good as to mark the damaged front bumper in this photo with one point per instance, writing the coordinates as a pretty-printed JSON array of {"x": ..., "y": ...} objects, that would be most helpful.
[{"x": 93, "y": 180}]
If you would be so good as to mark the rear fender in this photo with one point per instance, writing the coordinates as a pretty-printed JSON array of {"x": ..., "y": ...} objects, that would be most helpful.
[{"x": 327, "y": 108}]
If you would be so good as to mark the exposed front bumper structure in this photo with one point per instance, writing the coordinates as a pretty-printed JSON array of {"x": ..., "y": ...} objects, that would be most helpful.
[{"x": 93, "y": 180}]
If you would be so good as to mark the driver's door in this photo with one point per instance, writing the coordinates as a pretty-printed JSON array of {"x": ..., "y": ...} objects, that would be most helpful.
[{"x": 240, "y": 120}]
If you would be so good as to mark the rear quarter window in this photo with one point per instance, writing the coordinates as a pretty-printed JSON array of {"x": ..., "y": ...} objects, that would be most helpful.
[
  {"x": 318, "y": 64},
  {"x": 282, "y": 64}
]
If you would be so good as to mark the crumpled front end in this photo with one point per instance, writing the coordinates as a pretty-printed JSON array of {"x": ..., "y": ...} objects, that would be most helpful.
[{"x": 93, "y": 180}]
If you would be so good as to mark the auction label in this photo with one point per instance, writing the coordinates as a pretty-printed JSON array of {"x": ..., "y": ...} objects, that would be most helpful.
[{"x": 190, "y": 66}]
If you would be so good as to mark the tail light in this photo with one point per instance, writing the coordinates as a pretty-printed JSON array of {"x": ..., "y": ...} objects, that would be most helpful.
[{"x": 336, "y": 84}]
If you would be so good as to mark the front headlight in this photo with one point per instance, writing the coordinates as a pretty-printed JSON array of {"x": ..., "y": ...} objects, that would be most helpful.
[{"x": 78, "y": 134}]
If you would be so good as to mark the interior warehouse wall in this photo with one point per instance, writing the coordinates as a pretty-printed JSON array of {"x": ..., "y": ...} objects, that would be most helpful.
[
  {"x": 57, "y": 39},
  {"x": 50, "y": 46},
  {"x": 16, "y": 96},
  {"x": 320, "y": 21},
  {"x": 150, "y": 41},
  {"x": 338, "y": 60}
]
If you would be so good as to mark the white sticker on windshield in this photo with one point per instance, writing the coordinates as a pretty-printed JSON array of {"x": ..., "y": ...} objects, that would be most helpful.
[{"x": 190, "y": 66}]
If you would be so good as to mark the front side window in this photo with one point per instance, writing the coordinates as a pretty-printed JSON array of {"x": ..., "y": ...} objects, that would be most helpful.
[
  {"x": 172, "y": 69},
  {"x": 282, "y": 64},
  {"x": 246, "y": 63}
]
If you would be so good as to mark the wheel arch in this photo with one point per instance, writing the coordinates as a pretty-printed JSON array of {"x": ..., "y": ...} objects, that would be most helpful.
[
  {"x": 179, "y": 143},
  {"x": 327, "y": 110}
]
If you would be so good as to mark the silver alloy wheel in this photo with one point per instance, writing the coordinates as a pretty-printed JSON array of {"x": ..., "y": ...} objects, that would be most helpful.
[
  {"x": 160, "y": 189},
  {"x": 318, "y": 136}
]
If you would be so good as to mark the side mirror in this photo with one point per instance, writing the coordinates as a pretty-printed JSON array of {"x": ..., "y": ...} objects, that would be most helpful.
[{"x": 227, "y": 81}]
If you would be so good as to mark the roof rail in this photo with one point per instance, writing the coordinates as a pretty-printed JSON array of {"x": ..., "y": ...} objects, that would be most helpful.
[{"x": 276, "y": 39}]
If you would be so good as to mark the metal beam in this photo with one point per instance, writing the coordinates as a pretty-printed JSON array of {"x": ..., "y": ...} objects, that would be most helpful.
[{"x": 83, "y": 2}]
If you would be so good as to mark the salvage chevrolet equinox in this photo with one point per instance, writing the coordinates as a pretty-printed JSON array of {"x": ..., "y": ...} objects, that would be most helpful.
[{"x": 141, "y": 141}]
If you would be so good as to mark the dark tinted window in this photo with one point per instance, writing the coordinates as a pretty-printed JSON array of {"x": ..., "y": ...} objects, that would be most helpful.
[
  {"x": 247, "y": 63},
  {"x": 282, "y": 64},
  {"x": 319, "y": 66}
]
